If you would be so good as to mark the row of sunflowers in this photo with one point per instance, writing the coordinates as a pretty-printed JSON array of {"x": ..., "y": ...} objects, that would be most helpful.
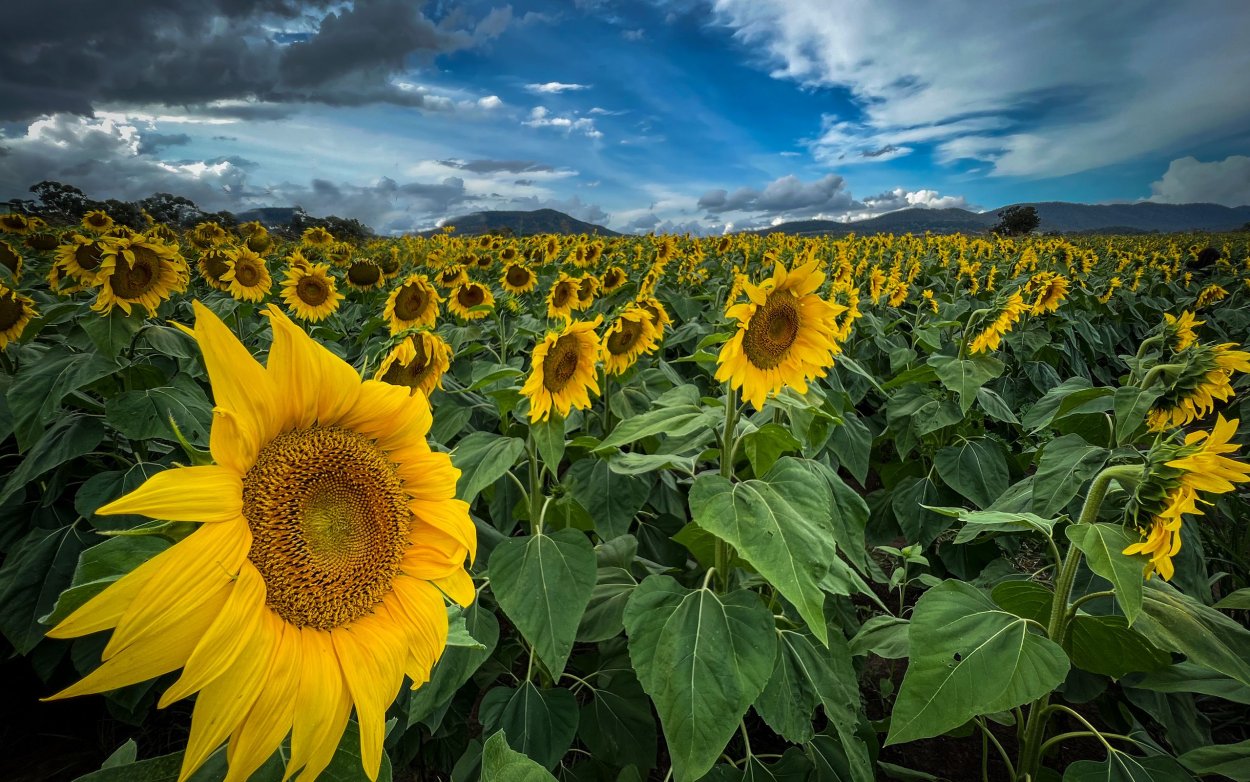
[{"x": 628, "y": 508}]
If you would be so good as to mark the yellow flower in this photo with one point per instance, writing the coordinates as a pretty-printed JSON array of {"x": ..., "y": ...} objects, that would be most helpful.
[
  {"x": 1112, "y": 285},
  {"x": 208, "y": 235},
  {"x": 11, "y": 259},
  {"x": 469, "y": 296},
  {"x": 80, "y": 259},
  {"x": 418, "y": 362},
  {"x": 317, "y": 236},
  {"x": 14, "y": 223},
  {"x": 517, "y": 278},
  {"x": 992, "y": 336},
  {"x": 97, "y": 220},
  {"x": 138, "y": 270},
  {"x": 313, "y": 584},
  {"x": 1052, "y": 289},
  {"x": 927, "y": 295},
  {"x": 452, "y": 276},
  {"x": 587, "y": 287},
  {"x": 1182, "y": 329},
  {"x": 628, "y": 337},
  {"x": 562, "y": 377},
  {"x": 310, "y": 292},
  {"x": 1205, "y": 378},
  {"x": 785, "y": 335},
  {"x": 613, "y": 278},
  {"x": 16, "y": 311},
  {"x": 1210, "y": 295},
  {"x": 213, "y": 265},
  {"x": 364, "y": 275},
  {"x": 413, "y": 303},
  {"x": 247, "y": 277},
  {"x": 562, "y": 298}
]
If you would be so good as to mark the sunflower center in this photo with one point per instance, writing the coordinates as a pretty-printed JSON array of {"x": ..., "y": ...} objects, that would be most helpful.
[
  {"x": 130, "y": 281},
  {"x": 11, "y": 311},
  {"x": 562, "y": 294},
  {"x": 625, "y": 337},
  {"x": 312, "y": 291},
  {"x": 329, "y": 520},
  {"x": 613, "y": 279},
  {"x": 214, "y": 265},
  {"x": 470, "y": 296},
  {"x": 772, "y": 330},
  {"x": 410, "y": 303},
  {"x": 517, "y": 276},
  {"x": 246, "y": 273},
  {"x": 88, "y": 256},
  {"x": 560, "y": 363},
  {"x": 412, "y": 373},
  {"x": 364, "y": 273}
]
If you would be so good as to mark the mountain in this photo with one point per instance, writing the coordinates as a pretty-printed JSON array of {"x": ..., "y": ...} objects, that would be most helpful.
[
  {"x": 539, "y": 221},
  {"x": 1055, "y": 216}
]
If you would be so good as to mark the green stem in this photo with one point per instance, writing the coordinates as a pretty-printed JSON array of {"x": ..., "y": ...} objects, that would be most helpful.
[
  {"x": 1082, "y": 600},
  {"x": 1158, "y": 370},
  {"x": 536, "y": 488},
  {"x": 729, "y": 444},
  {"x": 1080, "y": 734}
]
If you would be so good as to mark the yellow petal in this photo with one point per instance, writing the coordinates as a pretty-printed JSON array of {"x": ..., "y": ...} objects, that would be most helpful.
[
  {"x": 458, "y": 586},
  {"x": 270, "y": 718},
  {"x": 372, "y": 655},
  {"x": 322, "y": 707},
  {"x": 240, "y": 384},
  {"x": 106, "y": 609},
  {"x": 452, "y": 518},
  {"x": 309, "y": 372},
  {"x": 206, "y": 494}
]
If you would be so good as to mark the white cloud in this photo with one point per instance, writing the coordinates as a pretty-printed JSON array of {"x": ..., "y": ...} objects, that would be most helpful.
[
  {"x": 1035, "y": 89},
  {"x": 541, "y": 117},
  {"x": 555, "y": 87},
  {"x": 827, "y": 198},
  {"x": 489, "y": 102},
  {"x": 1189, "y": 180}
]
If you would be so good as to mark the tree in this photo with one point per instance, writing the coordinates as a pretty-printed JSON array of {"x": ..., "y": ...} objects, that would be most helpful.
[
  {"x": 171, "y": 209},
  {"x": 1017, "y": 221}
]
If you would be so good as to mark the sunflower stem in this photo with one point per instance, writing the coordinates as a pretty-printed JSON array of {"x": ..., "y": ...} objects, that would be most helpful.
[
  {"x": 536, "y": 488},
  {"x": 729, "y": 444}
]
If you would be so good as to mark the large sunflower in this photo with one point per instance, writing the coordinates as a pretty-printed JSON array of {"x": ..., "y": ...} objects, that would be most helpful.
[
  {"x": 247, "y": 276},
  {"x": 563, "y": 373},
  {"x": 309, "y": 291},
  {"x": 562, "y": 298},
  {"x": 138, "y": 270},
  {"x": 418, "y": 362},
  {"x": 314, "y": 583},
  {"x": 317, "y": 237},
  {"x": 16, "y": 311},
  {"x": 208, "y": 234},
  {"x": 785, "y": 335},
  {"x": 518, "y": 278},
  {"x": 627, "y": 338},
  {"x": 414, "y": 303},
  {"x": 587, "y": 289},
  {"x": 466, "y": 297}
]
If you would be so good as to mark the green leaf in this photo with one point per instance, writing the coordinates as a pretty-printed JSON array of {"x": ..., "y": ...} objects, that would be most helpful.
[
  {"x": 884, "y": 636},
  {"x": 68, "y": 438},
  {"x": 548, "y": 435},
  {"x": 995, "y": 406},
  {"x": 1175, "y": 622},
  {"x": 1067, "y": 463},
  {"x": 1025, "y": 599},
  {"x": 969, "y": 657},
  {"x": 805, "y": 675},
  {"x": 781, "y": 524},
  {"x": 1187, "y": 677},
  {"x": 143, "y": 415},
  {"x": 500, "y": 763},
  {"x": 1131, "y": 405},
  {"x": 976, "y": 468},
  {"x": 1102, "y": 545},
  {"x": 851, "y": 442},
  {"x": 703, "y": 658},
  {"x": 965, "y": 377},
  {"x": 611, "y": 499},
  {"x": 675, "y": 421},
  {"x": 910, "y": 502},
  {"x": 456, "y": 665},
  {"x": 538, "y": 723},
  {"x": 100, "y": 566},
  {"x": 483, "y": 458},
  {"x": 617, "y": 726},
  {"x": 112, "y": 333},
  {"x": 37, "y": 390},
  {"x": 34, "y": 574},
  {"x": 1106, "y": 645},
  {"x": 988, "y": 522},
  {"x": 1235, "y": 601},
  {"x": 1121, "y": 767},
  {"x": 605, "y": 613},
  {"x": 1229, "y": 760},
  {"x": 1040, "y": 414},
  {"x": 543, "y": 583},
  {"x": 765, "y": 445}
]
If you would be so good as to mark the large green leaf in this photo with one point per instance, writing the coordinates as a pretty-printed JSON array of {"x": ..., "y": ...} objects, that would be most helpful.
[
  {"x": 617, "y": 726},
  {"x": 1175, "y": 622},
  {"x": 611, "y": 499},
  {"x": 1228, "y": 760},
  {"x": 1122, "y": 767},
  {"x": 969, "y": 657},
  {"x": 112, "y": 333},
  {"x": 1106, "y": 645},
  {"x": 1193, "y": 678},
  {"x": 143, "y": 415},
  {"x": 684, "y": 416},
  {"x": 781, "y": 524},
  {"x": 1067, "y": 462},
  {"x": 703, "y": 658},
  {"x": 456, "y": 665},
  {"x": 68, "y": 438},
  {"x": 882, "y": 635},
  {"x": 966, "y": 376},
  {"x": 501, "y": 763},
  {"x": 976, "y": 468},
  {"x": 483, "y": 458},
  {"x": 805, "y": 675},
  {"x": 539, "y": 723},
  {"x": 38, "y": 389},
  {"x": 543, "y": 583},
  {"x": 34, "y": 574},
  {"x": 1103, "y": 546},
  {"x": 604, "y": 617},
  {"x": 765, "y": 445}
]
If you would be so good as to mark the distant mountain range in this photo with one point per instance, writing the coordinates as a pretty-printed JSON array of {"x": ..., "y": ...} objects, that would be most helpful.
[{"x": 539, "y": 221}]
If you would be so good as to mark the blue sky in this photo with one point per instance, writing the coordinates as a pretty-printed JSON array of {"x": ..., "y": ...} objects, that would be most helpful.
[{"x": 701, "y": 115}]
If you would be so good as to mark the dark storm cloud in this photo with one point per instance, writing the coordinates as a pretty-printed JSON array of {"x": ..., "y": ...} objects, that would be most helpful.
[
  {"x": 195, "y": 52},
  {"x": 498, "y": 166},
  {"x": 787, "y": 195},
  {"x": 151, "y": 143}
]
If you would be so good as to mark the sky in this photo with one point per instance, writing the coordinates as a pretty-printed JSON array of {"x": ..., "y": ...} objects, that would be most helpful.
[{"x": 654, "y": 115}]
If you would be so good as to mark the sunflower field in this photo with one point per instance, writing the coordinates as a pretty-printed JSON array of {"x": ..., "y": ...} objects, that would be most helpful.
[{"x": 620, "y": 509}]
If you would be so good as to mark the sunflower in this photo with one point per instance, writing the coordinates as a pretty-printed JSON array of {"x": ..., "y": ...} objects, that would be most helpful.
[
  {"x": 164, "y": 233},
  {"x": 1181, "y": 329},
  {"x": 587, "y": 287},
  {"x": 80, "y": 258},
  {"x": 41, "y": 241},
  {"x": 659, "y": 316},
  {"x": 208, "y": 234},
  {"x": 314, "y": 581},
  {"x": 418, "y": 362},
  {"x": 138, "y": 270},
  {"x": 518, "y": 278},
  {"x": 213, "y": 265},
  {"x": 317, "y": 237},
  {"x": 10, "y": 259},
  {"x": 97, "y": 220},
  {"x": 508, "y": 255},
  {"x": 310, "y": 293},
  {"x": 785, "y": 335},
  {"x": 992, "y": 335},
  {"x": 413, "y": 303},
  {"x": 628, "y": 337},
  {"x": 452, "y": 276},
  {"x": 247, "y": 276},
  {"x": 1210, "y": 295},
  {"x": 364, "y": 275},
  {"x": 1204, "y": 378},
  {"x": 16, "y": 311},
  {"x": 465, "y": 298},
  {"x": 562, "y": 298},
  {"x": 257, "y": 237},
  {"x": 613, "y": 278},
  {"x": 14, "y": 223},
  {"x": 1199, "y": 465},
  {"x": 1051, "y": 289},
  {"x": 563, "y": 373}
]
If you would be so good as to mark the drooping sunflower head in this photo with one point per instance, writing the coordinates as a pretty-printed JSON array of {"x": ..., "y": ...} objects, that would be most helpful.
[
  {"x": 629, "y": 336},
  {"x": 1210, "y": 295},
  {"x": 518, "y": 278},
  {"x": 418, "y": 362},
  {"x": 208, "y": 234},
  {"x": 413, "y": 303},
  {"x": 1051, "y": 291},
  {"x": 213, "y": 264},
  {"x": 613, "y": 278},
  {"x": 1193, "y": 384},
  {"x": 587, "y": 287},
  {"x": 14, "y": 223},
  {"x": 257, "y": 237},
  {"x": 341, "y": 253},
  {"x": 97, "y": 220},
  {"x": 247, "y": 276},
  {"x": 471, "y": 301},
  {"x": 1180, "y": 330},
  {"x": 163, "y": 233},
  {"x": 563, "y": 375},
  {"x": 138, "y": 270},
  {"x": 41, "y": 241},
  {"x": 785, "y": 335},
  {"x": 11, "y": 260},
  {"x": 562, "y": 298},
  {"x": 16, "y": 311},
  {"x": 317, "y": 236},
  {"x": 310, "y": 292},
  {"x": 364, "y": 275},
  {"x": 327, "y": 537}
]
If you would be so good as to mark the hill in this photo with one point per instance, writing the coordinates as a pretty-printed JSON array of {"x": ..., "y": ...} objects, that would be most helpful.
[{"x": 539, "y": 221}]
